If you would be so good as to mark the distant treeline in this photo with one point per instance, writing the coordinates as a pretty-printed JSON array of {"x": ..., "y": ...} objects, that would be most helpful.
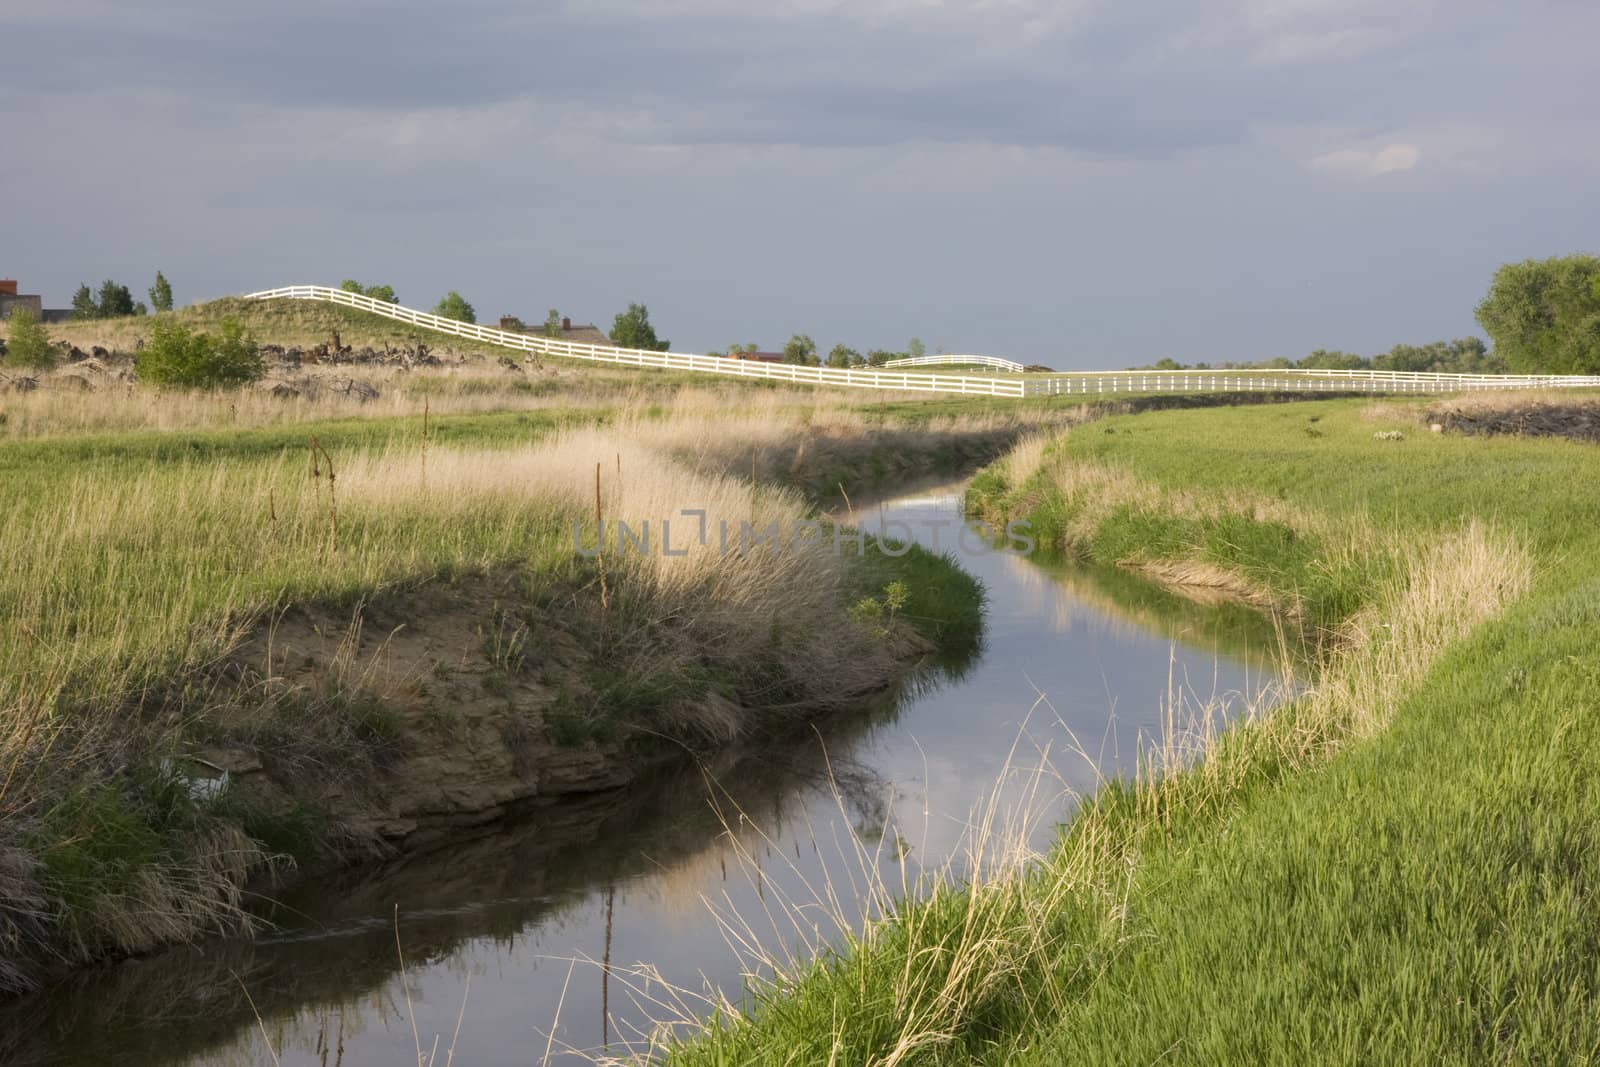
[{"x": 1467, "y": 355}]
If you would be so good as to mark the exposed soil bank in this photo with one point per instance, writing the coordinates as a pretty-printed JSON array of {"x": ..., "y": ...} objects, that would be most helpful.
[
  {"x": 335, "y": 734},
  {"x": 475, "y": 699}
]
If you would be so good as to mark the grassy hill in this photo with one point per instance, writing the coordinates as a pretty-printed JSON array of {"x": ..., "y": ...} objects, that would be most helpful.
[{"x": 302, "y": 323}]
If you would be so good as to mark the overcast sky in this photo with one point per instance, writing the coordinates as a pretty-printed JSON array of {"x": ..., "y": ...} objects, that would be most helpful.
[{"x": 1078, "y": 183}]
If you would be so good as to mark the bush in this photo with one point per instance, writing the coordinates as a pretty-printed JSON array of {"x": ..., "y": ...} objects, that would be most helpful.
[
  {"x": 29, "y": 345},
  {"x": 178, "y": 355}
]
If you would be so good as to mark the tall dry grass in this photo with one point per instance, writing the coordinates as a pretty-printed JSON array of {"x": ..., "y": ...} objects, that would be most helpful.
[{"x": 124, "y": 586}]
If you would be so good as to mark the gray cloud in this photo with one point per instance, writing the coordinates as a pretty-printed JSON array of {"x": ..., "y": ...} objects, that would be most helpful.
[{"x": 887, "y": 164}]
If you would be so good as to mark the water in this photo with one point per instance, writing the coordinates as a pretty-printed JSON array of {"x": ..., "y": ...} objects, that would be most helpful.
[{"x": 500, "y": 930}]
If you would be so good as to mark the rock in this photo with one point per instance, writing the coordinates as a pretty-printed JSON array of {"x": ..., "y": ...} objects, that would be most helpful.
[
  {"x": 99, "y": 353},
  {"x": 1436, "y": 427},
  {"x": 72, "y": 382},
  {"x": 24, "y": 385},
  {"x": 282, "y": 391},
  {"x": 511, "y": 365}
]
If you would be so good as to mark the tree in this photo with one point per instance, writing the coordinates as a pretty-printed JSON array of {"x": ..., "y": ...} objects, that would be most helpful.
[
  {"x": 801, "y": 349},
  {"x": 83, "y": 305},
  {"x": 552, "y": 324},
  {"x": 879, "y": 356},
  {"x": 1544, "y": 315},
  {"x": 115, "y": 300},
  {"x": 455, "y": 306},
  {"x": 632, "y": 329},
  {"x": 915, "y": 348},
  {"x": 1323, "y": 359},
  {"x": 161, "y": 293},
  {"x": 842, "y": 356},
  {"x": 29, "y": 345},
  {"x": 377, "y": 292},
  {"x": 179, "y": 355}
]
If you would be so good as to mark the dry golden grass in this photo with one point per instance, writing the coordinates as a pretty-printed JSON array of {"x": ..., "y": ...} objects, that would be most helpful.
[
  {"x": 1025, "y": 459},
  {"x": 97, "y": 398},
  {"x": 123, "y": 588}
]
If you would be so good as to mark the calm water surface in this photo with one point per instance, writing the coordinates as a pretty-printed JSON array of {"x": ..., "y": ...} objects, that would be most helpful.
[{"x": 500, "y": 930}]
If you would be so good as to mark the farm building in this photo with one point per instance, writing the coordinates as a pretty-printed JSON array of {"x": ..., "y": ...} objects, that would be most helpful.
[
  {"x": 10, "y": 299},
  {"x": 589, "y": 334}
]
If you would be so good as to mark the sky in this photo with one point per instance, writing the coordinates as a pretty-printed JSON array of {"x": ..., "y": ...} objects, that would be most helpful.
[{"x": 1078, "y": 183}]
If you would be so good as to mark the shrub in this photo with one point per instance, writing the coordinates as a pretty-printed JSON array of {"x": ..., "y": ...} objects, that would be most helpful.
[
  {"x": 179, "y": 355},
  {"x": 29, "y": 345}
]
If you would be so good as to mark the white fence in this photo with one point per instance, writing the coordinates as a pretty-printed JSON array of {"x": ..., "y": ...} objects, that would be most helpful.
[
  {"x": 1301, "y": 381},
  {"x": 1066, "y": 384},
  {"x": 633, "y": 357},
  {"x": 946, "y": 361}
]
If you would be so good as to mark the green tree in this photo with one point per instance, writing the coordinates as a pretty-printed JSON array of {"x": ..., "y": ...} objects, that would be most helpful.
[
  {"x": 632, "y": 329},
  {"x": 1323, "y": 359},
  {"x": 179, "y": 355},
  {"x": 552, "y": 324},
  {"x": 377, "y": 292},
  {"x": 83, "y": 305},
  {"x": 879, "y": 356},
  {"x": 455, "y": 306},
  {"x": 801, "y": 349},
  {"x": 29, "y": 344},
  {"x": 161, "y": 293},
  {"x": 842, "y": 356},
  {"x": 115, "y": 300},
  {"x": 1544, "y": 315},
  {"x": 915, "y": 348}
]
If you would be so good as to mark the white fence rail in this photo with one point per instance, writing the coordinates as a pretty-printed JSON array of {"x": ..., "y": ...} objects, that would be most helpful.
[
  {"x": 1300, "y": 381},
  {"x": 1078, "y": 383},
  {"x": 946, "y": 361},
  {"x": 633, "y": 357}
]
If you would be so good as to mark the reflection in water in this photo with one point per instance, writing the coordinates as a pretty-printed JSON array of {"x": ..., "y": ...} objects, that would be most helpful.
[{"x": 562, "y": 907}]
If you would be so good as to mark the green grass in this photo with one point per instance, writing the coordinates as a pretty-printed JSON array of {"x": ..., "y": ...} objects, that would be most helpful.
[{"x": 1422, "y": 890}]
